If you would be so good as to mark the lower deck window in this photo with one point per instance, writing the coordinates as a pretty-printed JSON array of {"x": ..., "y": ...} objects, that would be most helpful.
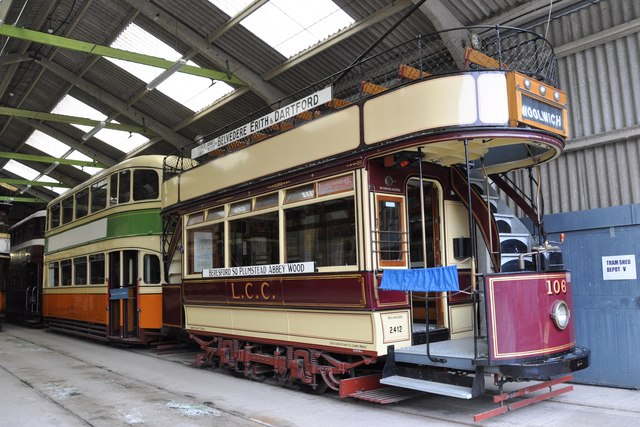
[
  {"x": 254, "y": 240},
  {"x": 54, "y": 270},
  {"x": 322, "y": 232},
  {"x": 96, "y": 269},
  {"x": 206, "y": 247},
  {"x": 80, "y": 267},
  {"x": 65, "y": 272}
]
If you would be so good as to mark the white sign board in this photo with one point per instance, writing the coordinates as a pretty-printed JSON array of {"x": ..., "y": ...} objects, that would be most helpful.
[
  {"x": 261, "y": 270},
  {"x": 288, "y": 111},
  {"x": 619, "y": 267}
]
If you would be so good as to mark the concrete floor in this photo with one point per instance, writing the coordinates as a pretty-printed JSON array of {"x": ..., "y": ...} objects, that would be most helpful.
[{"x": 47, "y": 379}]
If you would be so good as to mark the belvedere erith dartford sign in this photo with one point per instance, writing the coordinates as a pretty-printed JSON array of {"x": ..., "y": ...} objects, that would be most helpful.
[{"x": 288, "y": 111}]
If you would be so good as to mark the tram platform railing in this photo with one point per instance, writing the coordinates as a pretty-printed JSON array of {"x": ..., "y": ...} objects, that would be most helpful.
[{"x": 465, "y": 49}]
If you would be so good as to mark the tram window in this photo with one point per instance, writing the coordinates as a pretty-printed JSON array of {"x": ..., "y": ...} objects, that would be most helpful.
[
  {"x": 300, "y": 193},
  {"x": 240, "y": 208},
  {"x": 216, "y": 213},
  {"x": 99, "y": 195},
  {"x": 254, "y": 240},
  {"x": 96, "y": 269},
  {"x": 82, "y": 203},
  {"x": 391, "y": 236},
  {"x": 335, "y": 185},
  {"x": 196, "y": 218},
  {"x": 206, "y": 247},
  {"x": 65, "y": 272},
  {"x": 80, "y": 271},
  {"x": 124, "y": 187},
  {"x": 145, "y": 184},
  {"x": 322, "y": 232},
  {"x": 113, "y": 189},
  {"x": 54, "y": 278},
  {"x": 268, "y": 201},
  {"x": 151, "y": 269},
  {"x": 54, "y": 213},
  {"x": 67, "y": 210}
]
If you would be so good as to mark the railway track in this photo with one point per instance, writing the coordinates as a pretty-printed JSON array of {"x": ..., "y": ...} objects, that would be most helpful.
[{"x": 86, "y": 383}]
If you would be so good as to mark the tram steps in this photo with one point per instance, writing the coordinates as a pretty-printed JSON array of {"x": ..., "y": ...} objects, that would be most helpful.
[{"x": 429, "y": 386}]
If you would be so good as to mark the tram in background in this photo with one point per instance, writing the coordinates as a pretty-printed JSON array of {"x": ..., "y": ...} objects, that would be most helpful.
[
  {"x": 367, "y": 223},
  {"x": 5, "y": 257},
  {"x": 103, "y": 274},
  {"x": 24, "y": 289}
]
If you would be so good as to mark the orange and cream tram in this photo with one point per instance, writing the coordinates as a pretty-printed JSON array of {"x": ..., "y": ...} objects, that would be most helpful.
[
  {"x": 103, "y": 271},
  {"x": 369, "y": 219}
]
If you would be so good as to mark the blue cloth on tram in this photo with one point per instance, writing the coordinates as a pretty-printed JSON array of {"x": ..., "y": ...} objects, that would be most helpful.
[{"x": 436, "y": 279}]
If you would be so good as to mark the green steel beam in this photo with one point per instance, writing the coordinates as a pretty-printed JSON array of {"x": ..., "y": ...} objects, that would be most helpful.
[
  {"x": 47, "y": 159},
  {"x": 61, "y": 118},
  {"x": 14, "y": 181},
  {"x": 95, "y": 49},
  {"x": 21, "y": 199}
]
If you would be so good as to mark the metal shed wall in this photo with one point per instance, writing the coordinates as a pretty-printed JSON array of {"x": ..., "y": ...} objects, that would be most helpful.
[
  {"x": 607, "y": 312},
  {"x": 598, "y": 50}
]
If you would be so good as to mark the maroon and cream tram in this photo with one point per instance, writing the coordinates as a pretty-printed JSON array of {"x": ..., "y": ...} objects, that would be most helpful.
[{"x": 369, "y": 219}]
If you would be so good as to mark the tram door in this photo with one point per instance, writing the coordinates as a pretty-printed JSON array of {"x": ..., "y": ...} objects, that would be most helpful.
[
  {"x": 434, "y": 315},
  {"x": 123, "y": 294}
]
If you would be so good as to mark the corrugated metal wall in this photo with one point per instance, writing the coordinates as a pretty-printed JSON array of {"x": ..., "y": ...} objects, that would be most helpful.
[{"x": 598, "y": 49}]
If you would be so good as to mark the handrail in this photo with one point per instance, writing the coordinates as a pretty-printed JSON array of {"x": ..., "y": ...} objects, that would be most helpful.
[{"x": 435, "y": 54}]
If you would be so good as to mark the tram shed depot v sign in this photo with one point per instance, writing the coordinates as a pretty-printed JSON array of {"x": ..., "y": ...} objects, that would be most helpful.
[{"x": 619, "y": 267}]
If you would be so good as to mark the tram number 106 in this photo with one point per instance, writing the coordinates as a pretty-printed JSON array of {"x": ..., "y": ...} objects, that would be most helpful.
[{"x": 555, "y": 287}]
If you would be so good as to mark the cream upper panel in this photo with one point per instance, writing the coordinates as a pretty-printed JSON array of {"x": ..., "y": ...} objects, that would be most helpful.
[
  {"x": 436, "y": 103},
  {"x": 318, "y": 139}
]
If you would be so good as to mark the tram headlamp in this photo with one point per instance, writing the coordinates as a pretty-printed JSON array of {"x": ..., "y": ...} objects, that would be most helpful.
[{"x": 560, "y": 314}]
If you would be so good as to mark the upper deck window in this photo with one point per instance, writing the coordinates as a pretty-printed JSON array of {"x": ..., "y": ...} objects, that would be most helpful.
[
  {"x": 99, "y": 195},
  {"x": 82, "y": 203},
  {"x": 67, "y": 210},
  {"x": 54, "y": 214},
  {"x": 145, "y": 184},
  {"x": 124, "y": 186}
]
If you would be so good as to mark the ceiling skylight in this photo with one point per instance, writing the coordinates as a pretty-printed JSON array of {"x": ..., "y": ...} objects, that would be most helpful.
[
  {"x": 193, "y": 92},
  {"x": 123, "y": 141},
  {"x": 290, "y": 26},
  {"x": 21, "y": 170},
  {"x": 47, "y": 144},
  {"x": 30, "y": 174},
  {"x": 76, "y": 155}
]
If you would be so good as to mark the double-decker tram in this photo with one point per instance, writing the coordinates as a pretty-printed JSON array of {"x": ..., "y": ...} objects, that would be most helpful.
[
  {"x": 5, "y": 258},
  {"x": 103, "y": 270},
  {"x": 367, "y": 220},
  {"x": 24, "y": 289}
]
